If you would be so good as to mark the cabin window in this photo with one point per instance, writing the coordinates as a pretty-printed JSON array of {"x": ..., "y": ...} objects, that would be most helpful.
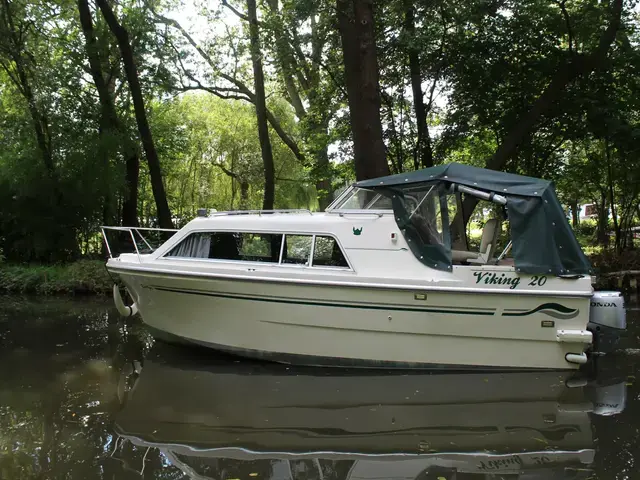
[
  {"x": 262, "y": 247},
  {"x": 327, "y": 253},
  {"x": 252, "y": 247},
  {"x": 259, "y": 247},
  {"x": 196, "y": 245},
  {"x": 297, "y": 249}
]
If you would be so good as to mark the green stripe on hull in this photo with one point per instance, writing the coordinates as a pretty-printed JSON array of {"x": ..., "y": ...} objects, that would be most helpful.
[
  {"x": 325, "y": 304},
  {"x": 555, "y": 310}
]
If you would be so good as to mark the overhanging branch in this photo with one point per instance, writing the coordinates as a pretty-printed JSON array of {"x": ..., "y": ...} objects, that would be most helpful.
[
  {"x": 242, "y": 88},
  {"x": 237, "y": 12}
]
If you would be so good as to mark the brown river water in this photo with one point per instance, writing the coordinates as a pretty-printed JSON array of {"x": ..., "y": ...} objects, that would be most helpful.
[{"x": 85, "y": 395}]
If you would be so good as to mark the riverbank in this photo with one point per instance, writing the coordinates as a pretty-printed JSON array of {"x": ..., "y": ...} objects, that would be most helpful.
[{"x": 78, "y": 278}]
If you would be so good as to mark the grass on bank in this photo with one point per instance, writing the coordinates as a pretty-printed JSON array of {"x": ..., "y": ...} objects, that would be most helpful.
[{"x": 81, "y": 277}]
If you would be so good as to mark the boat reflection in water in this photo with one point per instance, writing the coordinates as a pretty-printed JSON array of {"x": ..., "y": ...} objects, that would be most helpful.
[{"x": 230, "y": 419}]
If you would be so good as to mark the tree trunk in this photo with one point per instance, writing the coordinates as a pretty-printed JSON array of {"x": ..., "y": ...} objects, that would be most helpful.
[
  {"x": 323, "y": 178},
  {"x": 261, "y": 108},
  {"x": 20, "y": 56},
  {"x": 612, "y": 200},
  {"x": 244, "y": 90},
  {"x": 603, "y": 220},
  {"x": 64, "y": 243},
  {"x": 109, "y": 117},
  {"x": 244, "y": 195},
  {"x": 130, "y": 203},
  {"x": 286, "y": 60},
  {"x": 309, "y": 84},
  {"x": 110, "y": 125},
  {"x": 356, "y": 23},
  {"x": 423, "y": 155},
  {"x": 122, "y": 36},
  {"x": 575, "y": 219},
  {"x": 41, "y": 127}
]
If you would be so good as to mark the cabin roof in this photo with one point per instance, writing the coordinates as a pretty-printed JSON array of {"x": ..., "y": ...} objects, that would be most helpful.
[{"x": 297, "y": 222}]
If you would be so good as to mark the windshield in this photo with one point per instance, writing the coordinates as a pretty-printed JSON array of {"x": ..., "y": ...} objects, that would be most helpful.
[
  {"x": 362, "y": 199},
  {"x": 422, "y": 204}
]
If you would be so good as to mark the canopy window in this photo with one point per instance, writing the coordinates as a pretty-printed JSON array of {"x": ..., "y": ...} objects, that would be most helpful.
[{"x": 422, "y": 215}]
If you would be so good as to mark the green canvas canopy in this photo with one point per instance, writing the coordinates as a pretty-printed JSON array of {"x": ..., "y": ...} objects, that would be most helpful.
[{"x": 543, "y": 241}]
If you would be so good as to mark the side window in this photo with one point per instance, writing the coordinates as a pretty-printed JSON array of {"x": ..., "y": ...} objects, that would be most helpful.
[
  {"x": 259, "y": 247},
  {"x": 225, "y": 246},
  {"x": 196, "y": 245},
  {"x": 252, "y": 247},
  {"x": 327, "y": 253},
  {"x": 297, "y": 249}
]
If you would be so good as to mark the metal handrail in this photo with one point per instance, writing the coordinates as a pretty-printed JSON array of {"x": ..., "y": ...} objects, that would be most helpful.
[
  {"x": 260, "y": 212},
  {"x": 505, "y": 251},
  {"x": 131, "y": 231},
  {"x": 108, "y": 227}
]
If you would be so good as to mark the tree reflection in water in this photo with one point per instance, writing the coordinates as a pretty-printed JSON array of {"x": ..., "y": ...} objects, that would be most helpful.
[{"x": 61, "y": 382}]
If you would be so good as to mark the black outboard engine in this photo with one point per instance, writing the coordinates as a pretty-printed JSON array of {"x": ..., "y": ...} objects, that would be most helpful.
[{"x": 607, "y": 320}]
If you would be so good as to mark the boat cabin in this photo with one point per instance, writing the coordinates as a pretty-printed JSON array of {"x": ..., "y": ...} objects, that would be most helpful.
[{"x": 375, "y": 221}]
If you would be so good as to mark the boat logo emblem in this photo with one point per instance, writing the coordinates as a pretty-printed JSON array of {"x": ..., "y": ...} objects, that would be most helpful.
[{"x": 357, "y": 231}]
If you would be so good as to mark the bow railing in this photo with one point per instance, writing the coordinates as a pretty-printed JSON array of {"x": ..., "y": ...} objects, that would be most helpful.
[{"x": 139, "y": 241}]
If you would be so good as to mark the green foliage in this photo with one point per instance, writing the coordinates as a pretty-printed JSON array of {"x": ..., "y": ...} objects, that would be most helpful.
[
  {"x": 211, "y": 152},
  {"x": 481, "y": 66},
  {"x": 586, "y": 233},
  {"x": 83, "y": 276},
  {"x": 605, "y": 261}
]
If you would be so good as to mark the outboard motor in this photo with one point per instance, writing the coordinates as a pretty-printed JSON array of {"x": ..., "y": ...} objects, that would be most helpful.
[{"x": 607, "y": 320}]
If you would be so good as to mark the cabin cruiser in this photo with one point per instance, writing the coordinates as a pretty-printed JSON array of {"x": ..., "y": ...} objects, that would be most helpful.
[
  {"x": 380, "y": 279},
  {"x": 216, "y": 418}
]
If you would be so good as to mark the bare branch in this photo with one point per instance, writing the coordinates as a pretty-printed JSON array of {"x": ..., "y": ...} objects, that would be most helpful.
[
  {"x": 212, "y": 90},
  {"x": 238, "y": 13},
  {"x": 292, "y": 180},
  {"x": 436, "y": 76},
  {"x": 232, "y": 45},
  {"x": 230, "y": 173},
  {"x": 326, "y": 68},
  {"x": 304, "y": 79},
  {"x": 12, "y": 76},
  {"x": 567, "y": 20},
  {"x": 242, "y": 88}
]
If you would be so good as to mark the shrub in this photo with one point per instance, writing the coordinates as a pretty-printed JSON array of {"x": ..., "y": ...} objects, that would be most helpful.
[{"x": 83, "y": 276}]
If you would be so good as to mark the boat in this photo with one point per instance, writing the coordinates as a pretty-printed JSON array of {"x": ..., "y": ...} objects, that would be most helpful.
[
  {"x": 217, "y": 418},
  {"x": 379, "y": 280}
]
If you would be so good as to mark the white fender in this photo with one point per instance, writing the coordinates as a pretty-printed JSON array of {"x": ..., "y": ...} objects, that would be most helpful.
[{"x": 123, "y": 310}]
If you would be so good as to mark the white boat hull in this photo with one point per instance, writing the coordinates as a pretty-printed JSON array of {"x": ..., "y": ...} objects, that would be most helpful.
[{"x": 337, "y": 325}]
